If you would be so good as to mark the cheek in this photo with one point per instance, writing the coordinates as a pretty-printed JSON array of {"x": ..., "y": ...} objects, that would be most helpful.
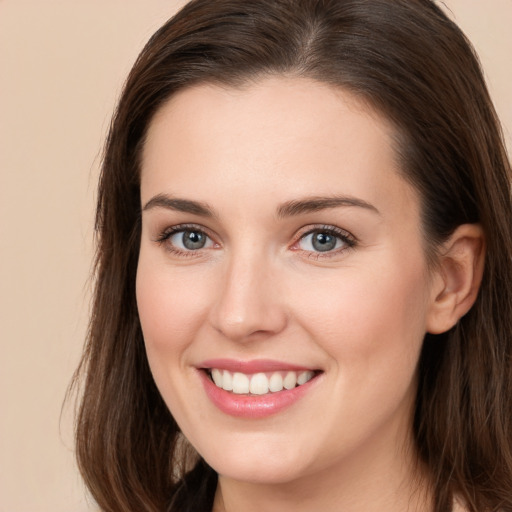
[
  {"x": 369, "y": 319},
  {"x": 171, "y": 306},
  {"x": 172, "y": 309},
  {"x": 371, "y": 325}
]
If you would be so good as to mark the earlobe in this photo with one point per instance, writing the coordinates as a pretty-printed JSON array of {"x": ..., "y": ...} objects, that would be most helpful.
[{"x": 458, "y": 278}]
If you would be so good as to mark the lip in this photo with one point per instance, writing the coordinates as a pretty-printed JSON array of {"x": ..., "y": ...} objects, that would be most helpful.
[
  {"x": 254, "y": 406},
  {"x": 250, "y": 367}
]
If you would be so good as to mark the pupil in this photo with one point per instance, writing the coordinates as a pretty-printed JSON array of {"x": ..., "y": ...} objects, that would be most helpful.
[
  {"x": 324, "y": 242},
  {"x": 193, "y": 240}
]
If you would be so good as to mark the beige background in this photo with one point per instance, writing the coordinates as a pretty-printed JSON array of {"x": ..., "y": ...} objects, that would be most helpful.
[{"x": 62, "y": 64}]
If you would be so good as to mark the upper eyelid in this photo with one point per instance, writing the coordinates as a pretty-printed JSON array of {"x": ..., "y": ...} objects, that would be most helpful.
[
  {"x": 171, "y": 230},
  {"x": 323, "y": 227},
  {"x": 343, "y": 233},
  {"x": 305, "y": 230}
]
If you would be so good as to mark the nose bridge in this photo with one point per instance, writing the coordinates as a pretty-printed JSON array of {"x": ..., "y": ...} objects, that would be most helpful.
[{"x": 248, "y": 302}]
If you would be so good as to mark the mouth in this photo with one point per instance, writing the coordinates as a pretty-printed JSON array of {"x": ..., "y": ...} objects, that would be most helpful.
[
  {"x": 260, "y": 383},
  {"x": 258, "y": 388}
]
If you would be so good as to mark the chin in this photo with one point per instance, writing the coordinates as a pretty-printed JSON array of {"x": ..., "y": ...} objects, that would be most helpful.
[
  {"x": 258, "y": 462},
  {"x": 245, "y": 470}
]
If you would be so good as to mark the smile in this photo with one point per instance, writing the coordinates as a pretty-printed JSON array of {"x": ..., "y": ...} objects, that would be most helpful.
[
  {"x": 260, "y": 383},
  {"x": 256, "y": 389}
]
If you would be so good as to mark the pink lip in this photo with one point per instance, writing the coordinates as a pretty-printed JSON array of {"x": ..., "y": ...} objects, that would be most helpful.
[
  {"x": 253, "y": 406},
  {"x": 250, "y": 367}
]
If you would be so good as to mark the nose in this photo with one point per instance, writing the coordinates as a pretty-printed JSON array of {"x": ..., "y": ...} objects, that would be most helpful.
[{"x": 249, "y": 303}]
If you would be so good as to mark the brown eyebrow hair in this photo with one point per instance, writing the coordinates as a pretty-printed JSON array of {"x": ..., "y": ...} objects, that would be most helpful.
[
  {"x": 288, "y": 209},
  {"x": 180, "y": 205},
  {"x": 316, "y": 203}
]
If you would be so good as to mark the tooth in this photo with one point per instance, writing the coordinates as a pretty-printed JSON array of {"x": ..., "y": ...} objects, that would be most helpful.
[
  {"x": 240, "y": 383},
  {"x": 290, "y": 381},
  {"x": 259, "y": 384},
  {"x": 227, "y": 381},
  {"x": 304, "y": 377},
  {"x": 276, "y": 382},
  {"x": 217, "y": 377}
]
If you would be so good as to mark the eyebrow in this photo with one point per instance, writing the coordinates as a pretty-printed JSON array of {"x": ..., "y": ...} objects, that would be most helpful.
[
  {"x": 317, "y": 203},
  {"x": 288, "y": 209},
  {"x": 180, "y": 205}
]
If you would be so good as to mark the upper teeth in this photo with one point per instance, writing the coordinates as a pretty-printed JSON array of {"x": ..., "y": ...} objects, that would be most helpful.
[{"x": 259, "y": 383}]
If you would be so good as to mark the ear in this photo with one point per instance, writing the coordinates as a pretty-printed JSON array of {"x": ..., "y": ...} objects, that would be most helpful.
[{"x": 457, "y": 278}]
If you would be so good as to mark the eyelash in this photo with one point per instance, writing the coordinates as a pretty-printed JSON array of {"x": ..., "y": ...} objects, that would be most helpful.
[
  {"x": 164, "y": 237},
  {"x": 348, "y": 240}
]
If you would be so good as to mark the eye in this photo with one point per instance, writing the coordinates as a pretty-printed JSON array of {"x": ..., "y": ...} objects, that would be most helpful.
[
  {"x": 325, "y": 240},
  {"x": 189, "y": 240},
  {"x": 185, "y": 239}
]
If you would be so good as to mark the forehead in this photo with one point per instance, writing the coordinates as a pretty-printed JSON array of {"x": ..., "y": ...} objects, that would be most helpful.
[
  {"x": 304, "y": 107},
  {"x": 277, "y": 138}
]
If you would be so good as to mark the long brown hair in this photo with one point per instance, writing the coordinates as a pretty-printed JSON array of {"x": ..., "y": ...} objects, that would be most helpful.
[{"x": 411, "y": 63}]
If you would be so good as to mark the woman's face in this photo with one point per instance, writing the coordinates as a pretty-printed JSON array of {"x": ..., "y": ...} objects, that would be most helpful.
[{"x": 280, "y": 246}]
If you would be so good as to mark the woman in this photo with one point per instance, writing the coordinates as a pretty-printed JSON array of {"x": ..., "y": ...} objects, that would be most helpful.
[{"x": 303, "y": 296}]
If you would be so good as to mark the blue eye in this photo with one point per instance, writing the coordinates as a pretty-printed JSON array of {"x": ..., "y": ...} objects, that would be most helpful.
[
  {"x": 184, "y": 239},
  {"x": 325, "y": 240},
  {"x": 190, "y": 240}
]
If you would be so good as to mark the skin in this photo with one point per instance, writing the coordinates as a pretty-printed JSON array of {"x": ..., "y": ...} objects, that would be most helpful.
[{"x": 259, "y": 289}]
